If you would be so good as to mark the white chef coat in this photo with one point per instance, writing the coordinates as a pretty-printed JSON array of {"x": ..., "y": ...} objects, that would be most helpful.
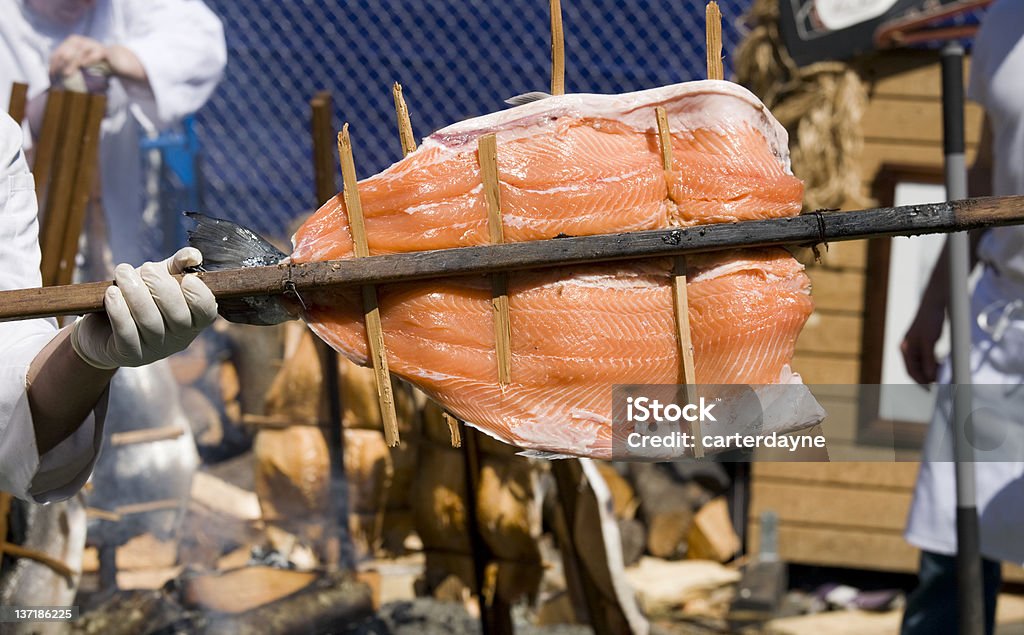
[
  {"x": 180, "y": 44},
  {"x": 997, "y": 65},
  {"x": 63, "y": 470}
]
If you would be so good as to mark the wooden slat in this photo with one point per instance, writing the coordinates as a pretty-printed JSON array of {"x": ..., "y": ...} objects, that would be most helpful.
[
  {"x": 914, "y": 120},
  {"x": 831, "y": 333},
  {"x": 827, "y": 369},
  {"x": 838, "y": 290},
  {"x": 836, "y": 547},
  {"x": 878, "y": 152},
  {"x": 898, "y": 476},
  {"x": 487, "y": 152},
  {"x": 850, "y": 255},
  {"x": 18, "y": 102},
  {"x": 374, "y": 332},
  {"x": 830, "y": 506}
]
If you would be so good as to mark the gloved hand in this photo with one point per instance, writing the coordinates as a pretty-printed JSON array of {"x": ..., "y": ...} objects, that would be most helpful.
[{"x": 148, "y": 314}]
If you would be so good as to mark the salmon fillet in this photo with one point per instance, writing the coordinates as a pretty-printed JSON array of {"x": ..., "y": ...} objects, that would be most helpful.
[
  {"x": 576, "y": 165},
  {"x": 574, "y": 335}
]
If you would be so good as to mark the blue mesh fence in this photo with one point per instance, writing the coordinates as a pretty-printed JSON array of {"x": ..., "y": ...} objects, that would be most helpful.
[{"x": 454, "y": 58}]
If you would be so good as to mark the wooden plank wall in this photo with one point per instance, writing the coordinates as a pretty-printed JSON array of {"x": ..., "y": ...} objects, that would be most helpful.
[{"x": 847, "y": 514}]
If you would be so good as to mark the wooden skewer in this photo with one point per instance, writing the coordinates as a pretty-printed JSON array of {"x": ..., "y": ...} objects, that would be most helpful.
[
  {"x": 148, "y": 506},
  {"x": 680, "y": 301},
  {"x": 488, "y": 155},
  {"x": 557, "y": 50},
  {"x": 405, "y": 134},
  {"x": 374, "y": 331},
  {"x": 146, "y": 435},
  {"x": 713, "y": 31},
  {"x": 102, "y": 514},
  {"x": 408, "y": 140},
  {"x": 453, "y": 429}
]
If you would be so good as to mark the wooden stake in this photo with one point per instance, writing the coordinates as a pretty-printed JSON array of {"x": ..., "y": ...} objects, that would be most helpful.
[
  {"x": 680, "y": 301},
  {"x": 713, "y": 31},
  {"x": 374, "y": 331},
  {"x": 557, "y": 50},
  {"x": 453, "y": 429},
  {"x": 405, "y": 134},
  {"x": 488, "y": 155}
]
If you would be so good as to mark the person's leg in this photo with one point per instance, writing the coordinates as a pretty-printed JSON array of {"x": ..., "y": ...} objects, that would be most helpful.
[
  {"x": 931, "y": 607},
  {"x": 992, "y": 574}
]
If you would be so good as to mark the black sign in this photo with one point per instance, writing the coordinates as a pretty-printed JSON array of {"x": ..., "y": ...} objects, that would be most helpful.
[{"x": 815, "y": 30}]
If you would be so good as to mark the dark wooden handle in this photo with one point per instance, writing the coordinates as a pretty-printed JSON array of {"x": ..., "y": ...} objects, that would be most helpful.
[{"x": 805, "y": 229}]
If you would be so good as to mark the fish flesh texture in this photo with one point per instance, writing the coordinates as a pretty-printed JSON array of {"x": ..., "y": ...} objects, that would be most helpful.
[{"x": 576, "y": 165}]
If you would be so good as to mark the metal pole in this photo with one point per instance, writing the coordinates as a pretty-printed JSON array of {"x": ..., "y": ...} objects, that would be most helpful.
[{"x": 968, "y": 559}]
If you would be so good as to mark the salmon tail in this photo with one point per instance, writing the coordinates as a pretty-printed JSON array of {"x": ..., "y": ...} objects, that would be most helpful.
[{"x": 227, "y": 245}]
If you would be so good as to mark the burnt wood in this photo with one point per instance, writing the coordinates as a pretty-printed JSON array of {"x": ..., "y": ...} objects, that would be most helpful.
[{"x": 812, "y": 228}]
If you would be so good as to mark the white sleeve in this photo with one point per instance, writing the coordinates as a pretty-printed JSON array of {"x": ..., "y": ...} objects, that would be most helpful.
[
  {"x": 181, "y": 45},
  {"x": 63, "y": 470}
]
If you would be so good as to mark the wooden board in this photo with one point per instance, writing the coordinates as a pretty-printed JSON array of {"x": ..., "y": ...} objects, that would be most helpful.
[
  {"x": 832, "y": 506},
  {"x": 841, "y": 547},
  {"x": 817, "y": 368},
  {"x": 879, "y": 151},
  {"x": 913, "y": 120},
  {"x": 831, "y": 332},
  {"x": 899, "y": 476},
  {"x": 837, "y": 290}
]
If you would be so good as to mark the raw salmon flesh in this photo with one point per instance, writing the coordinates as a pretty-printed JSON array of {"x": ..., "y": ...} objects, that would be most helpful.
[{"x": 576, "y": 165}]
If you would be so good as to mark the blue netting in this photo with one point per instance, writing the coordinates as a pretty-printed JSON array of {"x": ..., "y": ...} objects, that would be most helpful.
[{"x": 454, "y": 58}]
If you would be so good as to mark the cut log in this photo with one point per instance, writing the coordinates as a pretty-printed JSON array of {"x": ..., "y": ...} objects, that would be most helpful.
[
  {"x": 320, "y": 608},
  {"x": 712, "y": 536},
  {"x": 666, "y": 506},
  {"x": 222, "y": 497},
  {"x": 624, "y": 500},
  {"x": 242, "y": 589},
  {"x": 663, "y": 587}
]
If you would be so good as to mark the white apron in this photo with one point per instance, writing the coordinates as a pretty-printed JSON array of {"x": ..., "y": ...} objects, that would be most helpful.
[{"x": 997, "y": 365}]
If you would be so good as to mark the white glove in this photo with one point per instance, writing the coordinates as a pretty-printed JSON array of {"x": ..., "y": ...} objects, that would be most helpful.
[{"x": 148, "y": 314}]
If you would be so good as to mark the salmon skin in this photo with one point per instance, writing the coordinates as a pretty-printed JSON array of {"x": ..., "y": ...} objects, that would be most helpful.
[{"x": 571, "y": 165}]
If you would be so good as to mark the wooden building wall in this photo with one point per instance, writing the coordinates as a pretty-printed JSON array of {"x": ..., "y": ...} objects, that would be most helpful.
[{"x": 852, "y": 514}]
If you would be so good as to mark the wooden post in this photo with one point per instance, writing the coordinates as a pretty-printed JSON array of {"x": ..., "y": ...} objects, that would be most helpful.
[
  {"x": 488, "y": 156},
  {"x": 713, "y": 33},
  {"x": 18, "y": 102},
  {"x": 53, "y": 115},
  {"x": 57, "y": 205},
  {"x": 557, "y": 50},
  {"x": 680, "y": 302},
  {"x": 322, "y": 108},
  {"x": 374, "y": 332},
  {"x": 81, "y": 190}
]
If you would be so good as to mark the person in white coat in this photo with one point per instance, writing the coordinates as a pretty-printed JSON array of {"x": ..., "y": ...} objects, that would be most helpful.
[
  {"x": 997, "y": 352},
  {"x": 53, "y": 383},
  {"x": 165, "y": 58}
]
